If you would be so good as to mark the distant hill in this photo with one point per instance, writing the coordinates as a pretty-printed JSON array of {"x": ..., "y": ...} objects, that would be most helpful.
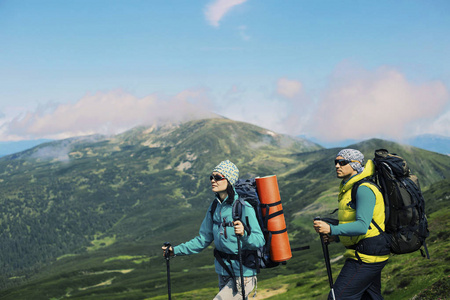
[
  {"x": 430, "y": 142},
  {"x": 435, "y": 143},
  {"x": 84, "y": 218}
]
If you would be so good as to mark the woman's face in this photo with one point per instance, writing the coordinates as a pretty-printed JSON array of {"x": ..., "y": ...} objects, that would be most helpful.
[{"x": 218, "y": 183}]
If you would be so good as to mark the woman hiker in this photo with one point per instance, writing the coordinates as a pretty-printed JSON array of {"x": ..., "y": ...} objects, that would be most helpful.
[
  {"x": 219, "y": 226},
  {"x": 367, "y": 249}
]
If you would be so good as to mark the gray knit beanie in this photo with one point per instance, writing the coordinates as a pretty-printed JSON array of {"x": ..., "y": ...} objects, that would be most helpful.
[
  {"x": 228, "y": 170},
  {"x": 352, "y": 154}
]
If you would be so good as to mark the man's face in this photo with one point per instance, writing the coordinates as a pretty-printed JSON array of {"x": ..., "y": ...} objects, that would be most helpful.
[{"x": 343, "y": 168}]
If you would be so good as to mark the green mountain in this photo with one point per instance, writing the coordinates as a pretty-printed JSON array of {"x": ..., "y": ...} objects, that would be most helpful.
[{"x": 85, "y": 218}]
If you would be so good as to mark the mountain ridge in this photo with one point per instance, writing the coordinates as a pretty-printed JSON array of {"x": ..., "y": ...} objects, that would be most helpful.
[{"x": 431, "y": 142}]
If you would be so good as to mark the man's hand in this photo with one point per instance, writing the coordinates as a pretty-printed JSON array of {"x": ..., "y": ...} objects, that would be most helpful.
[
  {"x": 322, "y": 227},
  {"x": 328, "y": 238}
]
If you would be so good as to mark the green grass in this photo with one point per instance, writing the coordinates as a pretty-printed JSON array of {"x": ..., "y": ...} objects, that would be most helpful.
[
  {"x": 64, "y": 230},
  {"x": 135, "y": 259},
  {"x": 193, "y": 277},
  {"x": 99, "y": 243}
]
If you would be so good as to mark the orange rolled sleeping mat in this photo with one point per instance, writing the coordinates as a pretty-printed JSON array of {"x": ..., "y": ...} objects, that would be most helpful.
[{"x": 269, "y": 196}]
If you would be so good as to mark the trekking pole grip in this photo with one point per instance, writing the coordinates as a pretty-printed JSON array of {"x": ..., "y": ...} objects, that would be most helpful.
[
  {"x": 167, "y": 251},
  {"x": 320, "y": 219}
]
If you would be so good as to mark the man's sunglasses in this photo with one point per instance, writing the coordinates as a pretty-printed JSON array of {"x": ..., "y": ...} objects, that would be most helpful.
[
  {"x": 343, "y": 162},
  {"x": 216, "y": 177}
]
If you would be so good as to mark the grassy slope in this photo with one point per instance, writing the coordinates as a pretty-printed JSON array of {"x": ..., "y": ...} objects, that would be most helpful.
[
  {"x": 404, "y": 277},
  {"x": 124, "y": 262}
]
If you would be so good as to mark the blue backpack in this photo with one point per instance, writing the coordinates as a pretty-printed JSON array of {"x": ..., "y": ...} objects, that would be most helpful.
[{"x": 255, "y": 259}]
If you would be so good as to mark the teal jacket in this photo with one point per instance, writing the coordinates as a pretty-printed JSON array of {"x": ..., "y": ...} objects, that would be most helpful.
[{"x": 211, "y": 231}]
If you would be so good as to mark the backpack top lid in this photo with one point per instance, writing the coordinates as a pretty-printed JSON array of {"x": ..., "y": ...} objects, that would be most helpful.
[
  {"x": 397, "y": 164},
  {"x": 246, "y": 189}
]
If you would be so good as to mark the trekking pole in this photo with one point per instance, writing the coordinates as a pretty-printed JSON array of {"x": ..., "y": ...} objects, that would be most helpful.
[
  {"x": 241, "y": 268},
  {"x": 326, "y": 256},
  {"x": 167, "y": 257}
]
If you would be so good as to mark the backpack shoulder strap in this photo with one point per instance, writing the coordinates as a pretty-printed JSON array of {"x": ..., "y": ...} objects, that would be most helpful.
[
  {"x": 237, "y": 214},
  {"x": 213, "y": 208},
  {"x": 356, "y": 186},
  {"x": 354, "y": 191},
  {"x": 237, "y": 209}
]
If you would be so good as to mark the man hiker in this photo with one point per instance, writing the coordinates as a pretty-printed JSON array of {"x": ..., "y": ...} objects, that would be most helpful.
[
  {"x": 224, "y": 231},
  {"x": 367, "y": 249}
]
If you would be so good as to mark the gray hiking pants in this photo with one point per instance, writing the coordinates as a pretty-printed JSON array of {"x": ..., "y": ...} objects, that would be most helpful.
[{"x": 228, "y": 288}]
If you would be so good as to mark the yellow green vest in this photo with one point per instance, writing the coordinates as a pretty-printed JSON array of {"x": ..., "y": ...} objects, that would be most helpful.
[{"x": 347, "y": 214}]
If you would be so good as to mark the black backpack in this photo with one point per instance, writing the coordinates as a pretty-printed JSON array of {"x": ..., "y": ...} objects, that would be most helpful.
[
  {"x": 255, "y": 259},
  {"x": 406, "y": 225}
]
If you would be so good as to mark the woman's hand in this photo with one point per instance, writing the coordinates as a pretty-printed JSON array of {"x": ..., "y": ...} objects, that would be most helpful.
[
  {"x": 238, "y": 228},
  {"x": 170, "y": 250}
]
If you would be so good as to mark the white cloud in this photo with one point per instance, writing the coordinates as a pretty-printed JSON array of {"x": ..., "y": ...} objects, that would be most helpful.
[
  {"x": 356, "y": 104},
  {"x": 283, "y": 108},
  {"x": 106, "y": 113},
  {"x": 288, "y": 88},
  {"x": 439, "y": 125},
  {"x": 383, "y": 103},
  {"x": 218, "y": 9},
  {"x": 264, "y": 112}
]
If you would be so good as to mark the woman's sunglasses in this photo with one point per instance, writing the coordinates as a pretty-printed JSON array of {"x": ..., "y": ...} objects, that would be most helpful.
[
  {"x": 216, "y": 177},
  {"x": 343, "y": 162}
]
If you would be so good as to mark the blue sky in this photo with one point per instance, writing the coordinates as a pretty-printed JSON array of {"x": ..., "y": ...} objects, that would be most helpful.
[{"x": 332, "y": 70}]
